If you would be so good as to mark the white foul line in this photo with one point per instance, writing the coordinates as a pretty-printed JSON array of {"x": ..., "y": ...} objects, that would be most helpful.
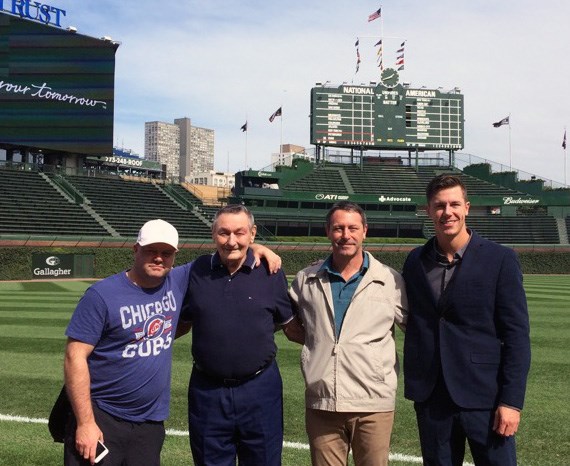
[{"x": 184, "y": 433}]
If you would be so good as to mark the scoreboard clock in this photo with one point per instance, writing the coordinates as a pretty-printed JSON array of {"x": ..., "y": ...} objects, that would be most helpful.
[
  {"x": 387, "y": 115},
  {"x": 389, "y": 77}
]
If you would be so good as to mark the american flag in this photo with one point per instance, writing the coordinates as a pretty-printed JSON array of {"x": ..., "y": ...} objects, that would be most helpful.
[{"x": 375, "y": 15}]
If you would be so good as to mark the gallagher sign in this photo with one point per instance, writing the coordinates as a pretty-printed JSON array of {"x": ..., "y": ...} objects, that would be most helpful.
[
  {"x": 36, "y": 11},
  {"x": 52, "y": 265},
  {"x": 58, "y": 266}
]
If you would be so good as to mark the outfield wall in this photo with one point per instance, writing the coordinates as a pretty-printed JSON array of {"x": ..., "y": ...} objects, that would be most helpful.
[{"x": 18, "y": 265}]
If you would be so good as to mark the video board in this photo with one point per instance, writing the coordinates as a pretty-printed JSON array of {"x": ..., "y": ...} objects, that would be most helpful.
[
  {"x": 386, "y": 117},
  {"x": 56, "y": 88}
]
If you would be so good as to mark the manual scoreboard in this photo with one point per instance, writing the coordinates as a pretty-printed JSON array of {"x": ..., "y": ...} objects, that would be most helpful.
[{"x": 387, "y": 116}]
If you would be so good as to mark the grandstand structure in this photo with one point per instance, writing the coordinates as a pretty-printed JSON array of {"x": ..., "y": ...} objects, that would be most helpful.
[
  {"x": 292, "y": 201},
  {"x": 38, "y": 201},
  {"x": 38, "y": 204}
]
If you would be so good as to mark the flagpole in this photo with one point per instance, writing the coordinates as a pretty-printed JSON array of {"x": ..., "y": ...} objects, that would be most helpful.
[
  {"x": 510, "y": 148},
  {"x": 382, "y": 41},
  {"x": 564, "y": 147},
  {"x": 246, "y": 131},
  {"x": 281, "y": 137}
]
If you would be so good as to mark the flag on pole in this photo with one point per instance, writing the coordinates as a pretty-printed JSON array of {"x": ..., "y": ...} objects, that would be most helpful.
[
  {"x": 504, "y": 121},
  {"x": 380, "y": 55},
  {"x": 244, "y": 127},
  {"x": 375, "y": 15},
  {"x": 400, "y": 57},
  {"x": 357, "y": 55},
  {"x": 379, "y": 51},
  {"x": 564, "y": 140},
  {"x": 275, "y": 114}
]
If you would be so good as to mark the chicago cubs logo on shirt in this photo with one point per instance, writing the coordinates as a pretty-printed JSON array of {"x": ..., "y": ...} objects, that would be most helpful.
[{"x": 153, "y": 327}]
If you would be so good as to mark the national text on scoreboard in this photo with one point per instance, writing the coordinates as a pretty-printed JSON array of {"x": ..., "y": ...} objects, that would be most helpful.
[{"x": 380, "y": 117}]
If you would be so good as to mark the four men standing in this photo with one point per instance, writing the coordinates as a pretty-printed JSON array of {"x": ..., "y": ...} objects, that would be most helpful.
[{"x": 466, "y": 352}]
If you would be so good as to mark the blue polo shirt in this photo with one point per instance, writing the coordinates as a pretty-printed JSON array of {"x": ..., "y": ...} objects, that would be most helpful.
[
  {"x": 234, "y": 315},
  {"x": 342, "y": 290}
]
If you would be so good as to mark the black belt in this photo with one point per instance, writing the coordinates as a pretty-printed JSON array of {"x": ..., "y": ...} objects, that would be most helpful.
[{"x": 227, "y": 381}]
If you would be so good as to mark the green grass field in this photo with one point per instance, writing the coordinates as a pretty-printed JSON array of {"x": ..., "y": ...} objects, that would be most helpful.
[{"x": 33, "y": 317}]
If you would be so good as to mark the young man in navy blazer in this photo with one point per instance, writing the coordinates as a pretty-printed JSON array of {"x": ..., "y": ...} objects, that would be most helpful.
[{"x": 467, "y": 347}]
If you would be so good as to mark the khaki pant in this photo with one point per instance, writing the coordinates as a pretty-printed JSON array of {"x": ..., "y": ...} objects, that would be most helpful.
[{"x": 332, "y": 435}]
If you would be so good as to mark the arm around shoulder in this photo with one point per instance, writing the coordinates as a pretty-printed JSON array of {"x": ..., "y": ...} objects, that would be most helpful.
[{"x": 262, "y": 252}]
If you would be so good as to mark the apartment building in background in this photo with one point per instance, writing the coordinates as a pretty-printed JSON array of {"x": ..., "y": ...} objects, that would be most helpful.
[{"x": 184, "y": 149}]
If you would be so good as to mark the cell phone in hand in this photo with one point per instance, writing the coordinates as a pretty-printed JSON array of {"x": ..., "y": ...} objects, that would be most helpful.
[{"x": 101, "y": 452}]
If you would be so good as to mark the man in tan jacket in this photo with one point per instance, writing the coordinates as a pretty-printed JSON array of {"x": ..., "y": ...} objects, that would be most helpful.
[{"x": 348, "y": 306}]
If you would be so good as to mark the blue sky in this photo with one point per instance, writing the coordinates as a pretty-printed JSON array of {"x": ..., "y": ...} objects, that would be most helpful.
[{"x": 220, "y": 62}]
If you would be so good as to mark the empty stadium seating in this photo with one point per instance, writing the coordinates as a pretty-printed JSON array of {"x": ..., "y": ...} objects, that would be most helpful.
[
  {"x": 126, "y": 205},
  {"x": 511, "y": 230},
  {"x": 30, "y": 205},
  {"x": 380, "y": 179}
]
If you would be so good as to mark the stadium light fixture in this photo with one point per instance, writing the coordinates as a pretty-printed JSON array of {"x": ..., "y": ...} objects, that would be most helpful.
[{"x": 72, "y": 29}]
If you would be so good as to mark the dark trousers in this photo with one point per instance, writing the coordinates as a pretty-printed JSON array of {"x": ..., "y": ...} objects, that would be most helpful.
[
  {"x": 243, "y": 421},
  {"x": 129, "y": 443},
  {"x": 444, "y": 427}
]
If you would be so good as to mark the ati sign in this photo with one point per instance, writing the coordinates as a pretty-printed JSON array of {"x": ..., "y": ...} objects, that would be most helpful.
[
  {"x": 57, "y": 266},
  {"x": 36, "y": 11}
]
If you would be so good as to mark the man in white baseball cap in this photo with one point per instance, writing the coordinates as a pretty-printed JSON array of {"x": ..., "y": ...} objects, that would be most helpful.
[
  {"x": 119, "y": 353},
  {"x": 158, "y": 231}
]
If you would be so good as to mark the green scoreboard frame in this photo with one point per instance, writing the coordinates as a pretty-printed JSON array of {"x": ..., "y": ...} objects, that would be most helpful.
[{"x": 387, "y": 117}]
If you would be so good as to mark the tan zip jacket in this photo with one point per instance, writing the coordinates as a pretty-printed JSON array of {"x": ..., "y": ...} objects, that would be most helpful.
[{"x": 359, "y": 372}]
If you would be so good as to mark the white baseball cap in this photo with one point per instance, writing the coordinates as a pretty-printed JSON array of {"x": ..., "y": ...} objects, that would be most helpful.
[{"x": 158, "y": 231}]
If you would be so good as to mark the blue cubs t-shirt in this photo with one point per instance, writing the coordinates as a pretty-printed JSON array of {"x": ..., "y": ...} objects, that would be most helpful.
[{"x": 132, "y": 330}]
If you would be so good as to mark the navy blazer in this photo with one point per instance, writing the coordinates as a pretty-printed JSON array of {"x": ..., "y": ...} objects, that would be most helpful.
[{"x": 476, "y": 336}]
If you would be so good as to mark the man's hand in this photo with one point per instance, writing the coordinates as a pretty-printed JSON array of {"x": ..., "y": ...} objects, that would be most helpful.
[
  {"x": 86, "y": 437},
  {"x": 262, "y": 252},
  {"x": 506, "y": 421},
  {"x": 294, "y": 331}
]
